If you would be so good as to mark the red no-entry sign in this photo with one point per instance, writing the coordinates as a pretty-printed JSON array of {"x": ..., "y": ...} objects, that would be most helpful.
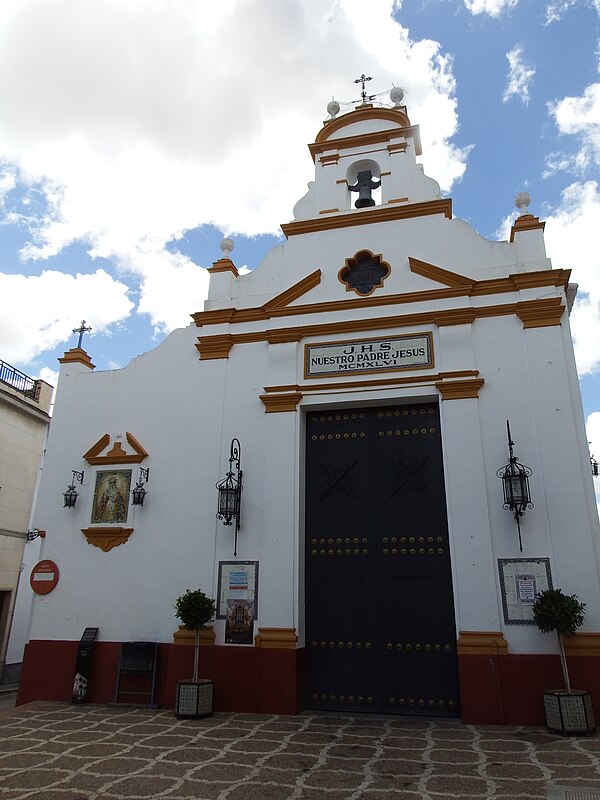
[{"x": 44, "y": 577}]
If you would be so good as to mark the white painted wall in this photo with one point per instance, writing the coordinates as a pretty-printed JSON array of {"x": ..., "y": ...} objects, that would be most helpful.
[{"x": 185, "y": 412}]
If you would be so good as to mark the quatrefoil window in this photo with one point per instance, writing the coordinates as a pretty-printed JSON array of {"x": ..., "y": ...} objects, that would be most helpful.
[{"x": 364, "y": 272}]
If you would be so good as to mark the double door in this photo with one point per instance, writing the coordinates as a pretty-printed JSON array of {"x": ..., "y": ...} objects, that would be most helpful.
[{"x": 380, "y": 630}]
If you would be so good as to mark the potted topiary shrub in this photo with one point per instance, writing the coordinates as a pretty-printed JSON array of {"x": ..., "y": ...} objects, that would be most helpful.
[
  {"x": 568, "y": 711},
  {"x": 194, "y": 697}
]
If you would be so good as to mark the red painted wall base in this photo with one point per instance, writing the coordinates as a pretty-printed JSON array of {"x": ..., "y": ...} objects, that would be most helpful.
[
  {"x": 251, "y": 679},
  {"x": 507, "y": 689},
  {"x": 497, "y": 690}
]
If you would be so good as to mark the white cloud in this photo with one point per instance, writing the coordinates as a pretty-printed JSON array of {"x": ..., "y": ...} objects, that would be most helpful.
[
  {"x": 580, "y": 117},
  {"x": 37, "y": 311},
  {"x": 520, "y": 76},
  {"x": 570, "y": 235},
  {"x": 141, "y": 119},
  {"x": 555, "y": 10},
  {"x": 173, "y": 287},
  {"x": 492, "y": 7}
]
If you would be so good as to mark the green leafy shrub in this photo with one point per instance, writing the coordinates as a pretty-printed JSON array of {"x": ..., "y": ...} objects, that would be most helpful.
[
  {"x": 195, "y": 609},
  {"x": 563, "y": 613},
  {"x": 555, "y": 611}
]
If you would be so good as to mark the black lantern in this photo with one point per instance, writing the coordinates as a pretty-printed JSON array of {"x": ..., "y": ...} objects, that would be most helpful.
[
  {"x": 594, "y": 466},
  {"x": 230, "y": 491},
  {"x": 515, "y": 482},
  {"x": 139, "y": 493},
  {"x": 71, "y": 493}
]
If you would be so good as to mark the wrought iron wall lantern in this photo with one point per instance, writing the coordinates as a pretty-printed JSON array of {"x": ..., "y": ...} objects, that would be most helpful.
[
  {"x": 139, "y": 493},
  {"x": 230, "y": 491},
  {"x": 515, "y": 482},
  {"x": 594, "y": 466},
  {"x": 71, "y": 493}
]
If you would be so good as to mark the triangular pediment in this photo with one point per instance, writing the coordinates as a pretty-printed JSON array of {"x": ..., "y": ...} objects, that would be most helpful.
[{"x": 99, "y": 454}]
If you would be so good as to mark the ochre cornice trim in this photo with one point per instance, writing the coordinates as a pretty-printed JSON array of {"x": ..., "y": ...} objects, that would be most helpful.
[
  {"x": 397, "y": 115},
  {"x": 443, "y": 276},
  {"x": 76, "y": 355},
  {"x": 368, "y": 216},
  {"x": 218, "y": 316},
  {"x": 585, "y": 643},
  {"x": 540, "y": 313},
  {"x": 276, "y": 638},
  {"x": 97, "y": 448},
  {"x": 457, "y": 384},
  {"x": 490, "y": 643},
  {"x": 278, "y": 403},
  {"x": 445, "y": 318},
  {"x": 294, "y": 292},
  {"x": 107, "y": 538},
  {"x": 533, "y": 313},
  {"x": 184, "y": 637},
  {"x": 460, "y": 390},
  {"x": 467, "y": 288},
  {"x": 526, "y": 222},
  {"x": 215, "y": 346},
  {"x": 364, "y": 382},
  {"x": 116, "y": 455}
]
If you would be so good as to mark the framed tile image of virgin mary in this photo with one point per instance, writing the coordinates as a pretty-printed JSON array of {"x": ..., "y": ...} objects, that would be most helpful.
[{"x": 111, "y": 496}]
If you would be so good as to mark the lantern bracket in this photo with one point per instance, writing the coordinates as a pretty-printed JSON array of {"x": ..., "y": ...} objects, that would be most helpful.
[
  {"x": 515, "y": 483},
  {"x": 230, "y": 491}
]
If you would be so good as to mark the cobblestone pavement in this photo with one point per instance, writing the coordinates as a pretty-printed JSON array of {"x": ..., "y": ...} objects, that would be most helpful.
[{"x": 52, "y": 751}]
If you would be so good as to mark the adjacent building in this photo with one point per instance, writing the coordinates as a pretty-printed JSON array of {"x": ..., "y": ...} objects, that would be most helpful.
[{"x": 24, "y": 420}]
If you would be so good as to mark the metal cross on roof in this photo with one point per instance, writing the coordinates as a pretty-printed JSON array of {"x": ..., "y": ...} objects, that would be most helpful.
[
  {"x": 81, "y": 330},
  {"x": 363, "y": 79}
]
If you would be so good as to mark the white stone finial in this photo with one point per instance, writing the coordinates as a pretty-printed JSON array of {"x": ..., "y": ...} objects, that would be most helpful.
[
  {"x": 333, "y": 108},
  {"x": 397, "y": 95},
  {"x": 226, "y": 246},
  {"x": 522, "y": 201}
]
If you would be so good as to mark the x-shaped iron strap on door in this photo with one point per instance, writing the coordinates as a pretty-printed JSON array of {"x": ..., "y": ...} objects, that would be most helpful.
[
  {"x": 407, "y": 474},
  {"x": 338, "y": 479}
]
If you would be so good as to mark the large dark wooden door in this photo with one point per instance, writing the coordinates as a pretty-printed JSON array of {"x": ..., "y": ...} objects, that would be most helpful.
[{"x": 380, "y": 630}]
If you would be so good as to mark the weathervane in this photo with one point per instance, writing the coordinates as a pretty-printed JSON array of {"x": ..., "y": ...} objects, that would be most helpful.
[
  {"x": 81, "y": 330},
  {"x": 362, "y": 80}
]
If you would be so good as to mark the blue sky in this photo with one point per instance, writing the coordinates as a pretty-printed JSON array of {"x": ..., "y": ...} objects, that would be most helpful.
[{"x": 136, "y": 133}]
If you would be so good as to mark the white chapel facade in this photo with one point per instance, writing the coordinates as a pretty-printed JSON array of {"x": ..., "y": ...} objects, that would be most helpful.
[{"x": 366, "y": 370}]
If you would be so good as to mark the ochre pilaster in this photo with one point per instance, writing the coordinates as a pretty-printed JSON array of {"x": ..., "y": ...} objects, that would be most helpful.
[
  {"x": 276, "y": 638},
  {"x": 526, "y": 222},
  {"x": 540, "y": 313},
  {"x": 224, "y": 265},
  {"x": 276, "y": 403},
  {"x": 460, "y": 390},
  {"x": 214, "y": 346},
  {"x": 184, "y": 637},
  {"x": 482, "y": 643},
  {"x": 582, "y": 644},
  {"x": 76, "y": 355}
]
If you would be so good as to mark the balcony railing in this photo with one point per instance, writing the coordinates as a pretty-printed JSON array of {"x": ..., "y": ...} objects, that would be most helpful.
[{"x": 19, "y": 381}]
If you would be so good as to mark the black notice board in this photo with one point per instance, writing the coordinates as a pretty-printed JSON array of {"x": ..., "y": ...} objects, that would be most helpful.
[{"x": 81, "y": 680}]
